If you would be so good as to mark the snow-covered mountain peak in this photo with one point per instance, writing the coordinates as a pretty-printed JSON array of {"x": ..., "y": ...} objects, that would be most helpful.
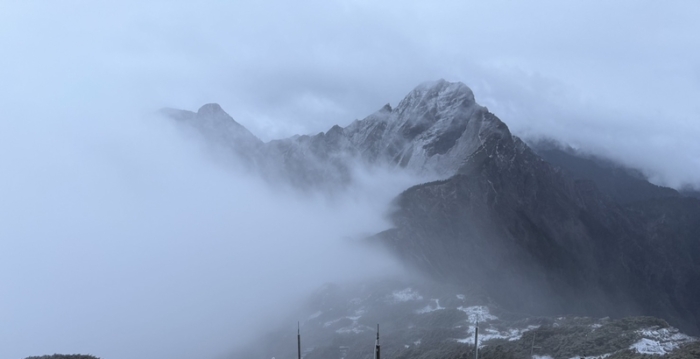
[
  {"x": 431, "y": 132},
  {"x": 437, "y": 95}
]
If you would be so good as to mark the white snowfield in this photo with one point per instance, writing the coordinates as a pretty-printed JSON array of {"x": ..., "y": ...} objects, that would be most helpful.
[{"x": 660, "y": 341}]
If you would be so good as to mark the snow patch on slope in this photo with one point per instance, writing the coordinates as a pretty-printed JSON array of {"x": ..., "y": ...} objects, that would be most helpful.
[
  {"x": 478, "y": 313},
  {"x": 660, "y": 341},
  {"x": 405, "y": 295},
  {"x": 354, "y": 328},
  {"x": 429, "y": 308},
  {"x": 602, "y": 356},
  {"x": 486, "y": 334}
]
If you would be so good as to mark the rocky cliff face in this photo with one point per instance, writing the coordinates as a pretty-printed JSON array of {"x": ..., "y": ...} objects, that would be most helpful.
[
  {"x": 430, "y": 133},
  {"x": 534, "y": 236}
]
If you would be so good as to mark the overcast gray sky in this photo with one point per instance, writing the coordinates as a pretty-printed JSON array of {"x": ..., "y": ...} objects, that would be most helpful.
[
  {"x": 621, "y": 78},
  {"x": 91, "y": 194}
]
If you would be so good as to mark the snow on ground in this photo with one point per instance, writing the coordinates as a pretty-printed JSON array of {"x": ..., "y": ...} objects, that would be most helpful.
[
  {"x": 405, "y": 295},
  {"x": 429, "y": 308},
  {"x": 354, "y": 327},
  {"x": 541, "y": 357},
  {"x": 602, "y": 356},
  {"x": 478, "y": 313},
  {"x": 487, "y": 334},
  {"x": 660, "y": 340},
  {"x": 648, "y": 346},
  {"x": 460, "y": 296}
]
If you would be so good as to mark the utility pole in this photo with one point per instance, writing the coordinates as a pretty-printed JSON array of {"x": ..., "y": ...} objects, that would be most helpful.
[
  {"x": 376, "y": 345},
  {"x": 298, "y": 341},
  {"x": 476, "y": 340}
]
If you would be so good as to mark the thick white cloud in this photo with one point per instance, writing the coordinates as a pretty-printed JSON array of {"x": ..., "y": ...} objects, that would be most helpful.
[
  {"x": 128, "y": 240},
  {"x": 618, "y": 78},
  {"x": 618, "y": 75}
]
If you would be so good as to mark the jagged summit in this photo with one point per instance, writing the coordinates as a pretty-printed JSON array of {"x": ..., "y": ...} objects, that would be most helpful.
[
  {"x": 438, "y": 95},
  {"x": 218, "y": 127},
  {"x": 211, "y": 109},
  {"x": 430, "y": 132}
]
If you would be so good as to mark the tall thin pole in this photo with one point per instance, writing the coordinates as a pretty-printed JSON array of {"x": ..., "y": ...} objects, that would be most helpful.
[
  {"x": 476, "y": 340},
  {"x": 376, "y": 345},
  {"x": 298, "y": 341}
]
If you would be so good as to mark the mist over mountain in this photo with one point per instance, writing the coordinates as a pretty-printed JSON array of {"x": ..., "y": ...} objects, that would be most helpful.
[
  {"x": 300, "y": 175},
  {"x": 428, "y": 134},
  {"x": 539, "y": 231}
]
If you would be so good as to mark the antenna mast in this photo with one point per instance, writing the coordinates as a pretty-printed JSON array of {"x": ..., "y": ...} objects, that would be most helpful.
[
  {"x": 476, "y": 340},
  {"x": 376, "y": 345}
]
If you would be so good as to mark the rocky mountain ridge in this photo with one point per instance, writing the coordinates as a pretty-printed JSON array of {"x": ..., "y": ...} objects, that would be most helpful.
[
  {"x": 538, "y": 232},
  {"x": 429, "y": 133}
]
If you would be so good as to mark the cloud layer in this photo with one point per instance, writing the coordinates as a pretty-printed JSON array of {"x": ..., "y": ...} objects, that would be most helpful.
[
  {"x": 621, "y": 78},
  {"x": 132, "y": 242},
  {"x": 113, "y": 219}
]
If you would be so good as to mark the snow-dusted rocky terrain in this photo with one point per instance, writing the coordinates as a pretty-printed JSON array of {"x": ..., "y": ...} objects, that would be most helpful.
[
  {"x": 429, "y": 133},
  {"x": 425, "y": 320}
]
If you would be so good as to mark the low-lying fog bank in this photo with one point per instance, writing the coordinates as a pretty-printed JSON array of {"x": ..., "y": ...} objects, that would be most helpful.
[{"x": 123, "y": 238}]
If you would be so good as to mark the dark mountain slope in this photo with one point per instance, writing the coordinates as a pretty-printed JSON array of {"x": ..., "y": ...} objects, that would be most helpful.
[
  {"x": 539, "y": 241},
  {"x": 623, "y": 185}
]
